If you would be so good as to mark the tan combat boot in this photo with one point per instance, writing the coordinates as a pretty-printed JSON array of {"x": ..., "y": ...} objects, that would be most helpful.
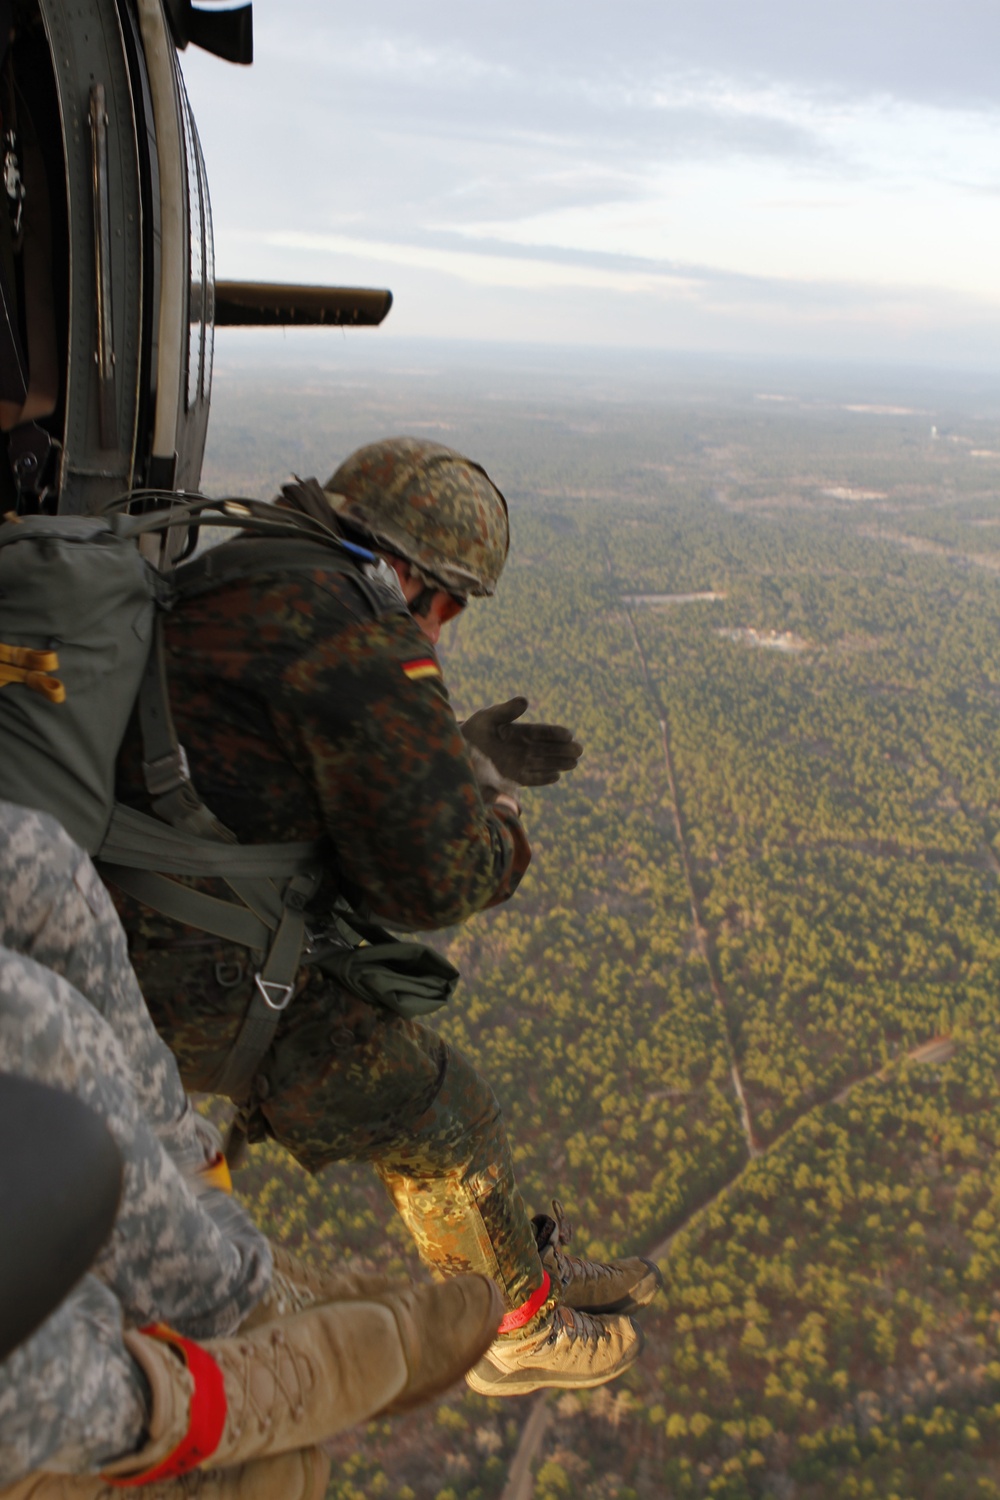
[
  {"x": 290, "y": 1476},
  {"x": 296, "y": 1286},
  {"x": 563, "y": 1348},
  {"x": 593, "y": 1286},
  {"x": 292, "y": 1383}
]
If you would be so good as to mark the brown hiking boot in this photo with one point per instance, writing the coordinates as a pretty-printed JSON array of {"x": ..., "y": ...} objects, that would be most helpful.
[
  {"x": 301, "y": 1379},
  {"x": 569, "y": 1349},
  {"x": 289, "y": 1476},
  {"x": 296, "y": 1286},
  {"x": 439, "y": 1323},
  {"x": 593, "y": 1286},
  {"x": 368, "y": 1358}
]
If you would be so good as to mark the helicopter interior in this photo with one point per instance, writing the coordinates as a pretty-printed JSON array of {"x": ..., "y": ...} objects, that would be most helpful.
[{"x": 108, "y": 295}]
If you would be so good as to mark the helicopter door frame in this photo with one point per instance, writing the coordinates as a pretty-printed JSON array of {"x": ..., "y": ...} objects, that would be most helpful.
[
  {"x": 160, "y": 55},
  {"x": 104, "y": 217}
]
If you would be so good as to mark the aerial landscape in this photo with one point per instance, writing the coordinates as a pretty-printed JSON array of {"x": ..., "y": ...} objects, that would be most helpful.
[
  {"x": 742, "y": 1013},
  {"x": 709, "y": 293}
]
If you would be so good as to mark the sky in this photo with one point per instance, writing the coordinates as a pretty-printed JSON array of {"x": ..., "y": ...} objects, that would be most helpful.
[{"x": 763, "y": 177}]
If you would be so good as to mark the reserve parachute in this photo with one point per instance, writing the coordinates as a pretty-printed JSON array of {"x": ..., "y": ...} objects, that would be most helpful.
[{"x": 78, "y": 606}]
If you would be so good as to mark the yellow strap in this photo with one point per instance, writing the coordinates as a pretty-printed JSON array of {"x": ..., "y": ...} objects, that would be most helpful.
[
  {"x": 39, "y": 682},
  {"x": 216, "y": 1174},
  {"x": 22, "y": 656}
]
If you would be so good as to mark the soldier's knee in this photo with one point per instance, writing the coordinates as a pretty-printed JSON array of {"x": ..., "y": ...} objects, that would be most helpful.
[
  {"x": 466, "y": 1091},
  {"x": 26, "y": 831},
  {"x": 37, "y": 861},
  {"x": 23, "y": 991}
]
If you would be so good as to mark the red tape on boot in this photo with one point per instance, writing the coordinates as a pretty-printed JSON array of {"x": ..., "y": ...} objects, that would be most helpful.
[
  {"x": 527, "y": 1310},
  {"x": 208, "y": 1411}
]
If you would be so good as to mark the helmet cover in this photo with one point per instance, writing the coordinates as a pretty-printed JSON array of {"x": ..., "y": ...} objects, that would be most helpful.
[{"x": 427, "y": 504}]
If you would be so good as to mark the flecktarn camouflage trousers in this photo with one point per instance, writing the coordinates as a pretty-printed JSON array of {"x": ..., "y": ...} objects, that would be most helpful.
[
  {"x": 72, "y": 1017},
  {"x": 345, "y": 1080},
  {"x": 349, "y": 1081}
]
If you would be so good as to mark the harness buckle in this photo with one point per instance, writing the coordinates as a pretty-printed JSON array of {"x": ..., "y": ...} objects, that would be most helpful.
[
  {"x": 275, "y": 996},
  {"x": 167, "y": 773}
]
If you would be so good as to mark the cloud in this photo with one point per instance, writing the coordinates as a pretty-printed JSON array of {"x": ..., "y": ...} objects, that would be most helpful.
[
  {"x": 496, "y": 270},
  {"x": 551, "y": 270},
  {"x": 731, "y": 160},
  {"x": 920, "y": 51}
]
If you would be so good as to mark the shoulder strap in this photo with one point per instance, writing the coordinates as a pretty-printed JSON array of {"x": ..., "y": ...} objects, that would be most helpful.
[
  {"x": 145, "y": 843},
  {"x": 252, "y": 555},
  {"x": 274, "y": 883},
  {"x": 252, "y": 516}
]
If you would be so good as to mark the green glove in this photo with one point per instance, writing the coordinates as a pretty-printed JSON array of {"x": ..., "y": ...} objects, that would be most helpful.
[{"x": 529, "y": 754}]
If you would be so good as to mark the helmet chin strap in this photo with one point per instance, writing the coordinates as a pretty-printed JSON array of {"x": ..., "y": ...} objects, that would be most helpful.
[{"x": 421, "y": 603}]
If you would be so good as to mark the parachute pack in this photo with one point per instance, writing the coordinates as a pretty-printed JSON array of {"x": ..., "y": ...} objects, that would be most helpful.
[{"x": 81, "y": 647}]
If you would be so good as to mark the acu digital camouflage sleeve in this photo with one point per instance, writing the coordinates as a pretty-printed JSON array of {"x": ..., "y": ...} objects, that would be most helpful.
[
  {"x": 57, "y": 912},
  {"x": 71, "y": 1397}
]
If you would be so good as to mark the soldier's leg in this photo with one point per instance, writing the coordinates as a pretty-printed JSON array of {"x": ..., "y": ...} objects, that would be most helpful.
[
  {"x": 167, "y": 1259},
  {"x": 71, "y": 1396},
  {"x": 84, "y": 1395},
  {"x": 58, "y": 912},
  {"x": 351, "y": 1081}
]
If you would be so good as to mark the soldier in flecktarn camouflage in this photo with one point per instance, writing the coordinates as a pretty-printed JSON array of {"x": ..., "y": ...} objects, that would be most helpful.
[{"x": 311, "y": 703}]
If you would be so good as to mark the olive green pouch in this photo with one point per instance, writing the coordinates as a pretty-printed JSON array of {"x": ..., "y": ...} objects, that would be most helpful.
[{"x": 408, "y": 978}]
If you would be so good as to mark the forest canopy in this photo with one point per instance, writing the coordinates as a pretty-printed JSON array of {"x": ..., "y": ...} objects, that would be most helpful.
[{"x": 742, "y": 1013}]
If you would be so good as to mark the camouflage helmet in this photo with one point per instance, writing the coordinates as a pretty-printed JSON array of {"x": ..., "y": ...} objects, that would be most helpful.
[{"x": 429, "y": 505}]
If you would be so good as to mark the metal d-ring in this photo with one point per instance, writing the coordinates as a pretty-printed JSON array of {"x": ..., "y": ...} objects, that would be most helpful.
[{"x": 268, "y": 988}]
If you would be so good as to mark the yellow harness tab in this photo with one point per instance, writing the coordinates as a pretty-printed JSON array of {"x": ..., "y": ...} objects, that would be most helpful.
[
  {"x": 24, "y": 656},
  {"x": 32, "y": 668},
  {"x": 49, "y": 687}
]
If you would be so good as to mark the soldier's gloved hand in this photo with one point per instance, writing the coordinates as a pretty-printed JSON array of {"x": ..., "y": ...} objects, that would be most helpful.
[
  {"x": 494, "y": 787},
  {"x": 529, "y": 754}
]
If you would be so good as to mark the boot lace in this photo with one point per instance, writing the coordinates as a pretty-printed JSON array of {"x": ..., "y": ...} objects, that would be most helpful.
[
  {"x": 286, "y": 1295},
  {"x": 567, "y": 1267},
  {"x": 579, "y": 1327},
  {"x": 290, "y": 1372}
]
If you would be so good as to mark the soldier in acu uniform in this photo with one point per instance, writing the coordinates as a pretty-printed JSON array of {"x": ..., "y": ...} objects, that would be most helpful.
[
  {"x": 103, "y": 1383},
  {"x": 310, "y": 702}
]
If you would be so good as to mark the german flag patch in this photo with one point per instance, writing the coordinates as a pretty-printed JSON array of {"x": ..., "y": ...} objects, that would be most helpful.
[{"x": 421, "y": 666}]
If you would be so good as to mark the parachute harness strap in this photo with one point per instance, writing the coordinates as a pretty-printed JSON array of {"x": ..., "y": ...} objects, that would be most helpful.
[
  {"x": 280, "y": 915},
  {"x": 274, "y": 985},
  {"x": 165, "y": 763}
]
